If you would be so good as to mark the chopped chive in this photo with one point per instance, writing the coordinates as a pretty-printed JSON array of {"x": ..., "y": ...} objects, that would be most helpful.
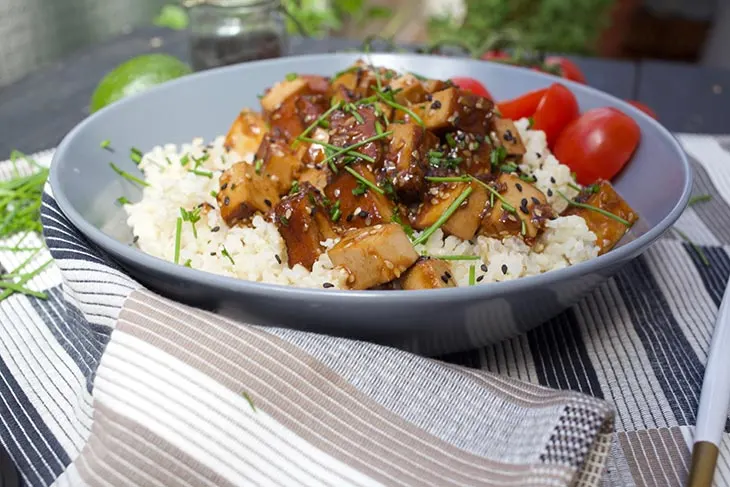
[
  {"x": 400, "y": 107},
  {"x": 192, "y": 216},
  {"x": 199, "y": 162},
  {"x": 353, "y": 153},
  {"x": 378, "y": 127},
  {"x": 530, "y": 122},
  {"x": 127, "y": 176},
  {"x": 106, "y": 144},
  {"x": 178, "y": 235},
  {"x": 258, "y": 164},
  {"x": 435, "y": 153},
  {"x": 449, "y": 179},
  {"x": 136, "y": 155},
  {"x": 169, "y": 162},
  {"x": 294, "y": 187},
  {"x": 214, "y": 193},
  {"x": 250, "y": 401},
  {"x": 456, "y": 257},
  {"x": 122, "y": 200},
  {"x": 291, "y": 76},
  {"x": 357, "y": 145},
  {"x": 450, "y": 140},
  {"x": 701, "y": 198},
  {"x": 594, "y": 208},
  {"x": 472, "y": 275},
  {"x": 225, "y": 254},
  {"x": 498, "y": 156},
  {"x": 575, "y": 187},
  {"x": 360, "y": 189},
  {"x": 363, "y": 180},
  {"x": 418, "y": 76},
  {"x": 345, "y": 71},
  {"x": 185, "y": 159},
  {"x": 395, "y": 218},
  {"x": 357, "y": 116},
  {"x": 316, "y": 123},
  {"x": 336, "y": 214},
  {"x": 527, "y": 179},
  {"x": 284, "y": 220},
  {"x": 698, "y": 250},
  {"x": 188, "y": 263},
  {"x": 198, "y": 172},
  {"x": 508, "y": 168},
  {"x": 444, "y": 217},
  {"x": 496, "y": 194}
]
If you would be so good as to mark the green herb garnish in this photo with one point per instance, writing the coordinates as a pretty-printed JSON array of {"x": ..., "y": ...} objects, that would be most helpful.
[
  {"x": 378, "y": 127},
  {"x": 284, "y": 220},
  {"x": 530, "y": 122},
  {"x": 214, "y": 193},
  {"x": 456, "y": 257},
  {"x": 258, "y": 164},
  {"x": 335, "y": 212},
  {"x": 331, "y": 147},
  {"x": 314, "y": 124},
  {"x": 178, "y": 236},
  {"x": 291, "y": 76},
  {"x": 192, "y": 216},
  {"x": 18, "y": 286},
  {"x": 448, "y": 179},
  {"x": 106, "y": 144},
  {"x": 185, "y": 159},
  {"x": 198, "y": 172},
  {"x": 250, "y": 401},
  {"x": 357, "y": 145},
  {"x": 450, "y": 140},
  {"x": 128, "y": 176},
  {"x": 400, "y": 107},
  {"x": 594, "y": 208},
  {"x": 444, "y": 217},
  {"x": 225, "y": 254},
  {"x": 294, "y": 187},
  {"x": 122, "y": 200},
  {"x": 395, "y": 218},
  {"x": 363, "y": 180},
  {"x": 360, "y": 189},
  {"x": 498, "y": 155},
  {"x": 188, "y": 263},
  {"x": 136, "y": 155},
  {"x": 472, "y": 275},
  {"x": 575, "y": 187},
  {"x": 496, "y": 194},
  {"x": 701, "y": 198},
  {"x": 508, "y": 168},
  {"x": 527, "y": 179}
]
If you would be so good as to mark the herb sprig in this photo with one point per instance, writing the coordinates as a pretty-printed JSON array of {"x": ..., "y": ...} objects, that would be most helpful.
[
  {"x": 444, "y": 217},
  {"x": 593, "y": 208},
  {"x": 363, "y": 180}
]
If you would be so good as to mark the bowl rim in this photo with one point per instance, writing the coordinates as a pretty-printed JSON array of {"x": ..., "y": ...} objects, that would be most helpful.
[{"x": 331, "y": 296}]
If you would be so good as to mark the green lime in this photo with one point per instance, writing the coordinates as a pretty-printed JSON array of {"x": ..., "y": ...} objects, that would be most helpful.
[{"x": 135, "y": 76}]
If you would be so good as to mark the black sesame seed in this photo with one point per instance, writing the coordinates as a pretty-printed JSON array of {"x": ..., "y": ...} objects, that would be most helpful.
[
  {"x": 504, "y": 268},
  {"x": 447, "y": 274},
  {"x": 535, "y": 200},
  {"x": 226, "y": 201},
  {"x": 484, "y": 267},
  {"x": 549, "y": 192},
  {"x": 278, "y": 259},
  {"x": 363, "y": 214},
  {"x": 479, "y": 279},
  {"x": 552, "y": 179},
  {"x": 523, "y": 202},
  {"x": 519, "y": 187},
  {"x": 212, "y": 253},
  {"x": 445, "y": 279},
  {"x": 508, "y": 136},
  {"x": 429, "y": 97},
  {"x": 224, "y": 186},
  {"x": 215, "y": 229},
  {"x": 538, "y": 155},
  {"x": 267, "y": 203},
  {"x": 436, "y": 105},
  {"x": 328, "y": 285},
  {"x": 350, "y": 217}
]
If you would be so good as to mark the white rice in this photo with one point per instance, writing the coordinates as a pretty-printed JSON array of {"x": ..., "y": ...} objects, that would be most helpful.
[{"x": 254, "y": 250}]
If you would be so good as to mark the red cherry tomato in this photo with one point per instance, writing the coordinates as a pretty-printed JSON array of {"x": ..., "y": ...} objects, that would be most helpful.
[
  {"x": 598, "y": 144},
  {"x": 643, "y": 108},
  {"x": 470, "y": 84},
  {"x": 568, "y": 69},
  {"x": 521, "y": 107},
  {"x": 495, "y": 54},
  {"x": 556, "y": 110}
]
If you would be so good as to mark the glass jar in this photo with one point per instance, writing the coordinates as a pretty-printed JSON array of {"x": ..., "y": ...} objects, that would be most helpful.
[{"x": 224, "y": 32}]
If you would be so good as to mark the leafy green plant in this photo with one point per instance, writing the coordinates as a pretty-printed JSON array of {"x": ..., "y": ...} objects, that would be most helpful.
[
  {"x": 544, "y": 25},
  {"x": 319, "y": 19},
  {"x": 173, "y": 17}
]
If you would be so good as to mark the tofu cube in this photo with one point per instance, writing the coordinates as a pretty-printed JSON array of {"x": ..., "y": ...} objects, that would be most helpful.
[
  {"x": 243, "y": 192},
  {"x": 509, "y": 138},
  {"x": 428, "y": 273},
  {"x": 465, "y": 221},
  {"x": 359, "y": 209},
  {"x": 246, "y": 133},
  {"x": 406, "y": 162},
  {"x": 453, "y": 109},
  {"x": 279, "y": 162},
  {"x": 373, "y": 255}
]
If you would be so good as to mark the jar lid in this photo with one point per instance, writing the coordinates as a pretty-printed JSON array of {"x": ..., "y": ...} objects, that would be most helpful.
[{"x": 229, "y": 3}]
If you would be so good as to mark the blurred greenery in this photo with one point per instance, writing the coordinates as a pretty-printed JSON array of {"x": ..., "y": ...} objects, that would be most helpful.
[
  {"x": 318, "y": 20},
  {"x": 571, "y": 26},
  {"x": 172, "y": 17}
]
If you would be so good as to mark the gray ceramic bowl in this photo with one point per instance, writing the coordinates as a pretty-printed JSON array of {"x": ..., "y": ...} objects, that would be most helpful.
[{"x": 656, "y": 183}]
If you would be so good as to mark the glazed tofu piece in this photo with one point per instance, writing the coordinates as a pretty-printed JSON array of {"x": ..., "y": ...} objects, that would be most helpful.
[
  {"x": 408, "y": 90},
  {"x": 360, "y": 207},
  {"x": 285, "y": 121},
  {"x": 433, "y": 85},
  {"x": 243, "y": 192},
  {"x": 303, "y": 222},
  {"x": 373, "y": 255},
  {"x": 315, "y": 175},
  {"x": 509, "y": 137},
  {"x": 530, "y": 206},
  {"x": 406, "y": 162},
  {"x": 278, "y": 161},
  {"x": 347, "y": 129},
  {"x": 465, "y": 221},
  {"x": 608, "y": 230},
  {"x": 473, "y": 150},
  {"x": 355, "y": 83},
  {"x": 246, "y": 133},
  {"x": 452, "y": 109},
  {"x": 282, "y": 91},
  {"x": 428, "y": 273}
]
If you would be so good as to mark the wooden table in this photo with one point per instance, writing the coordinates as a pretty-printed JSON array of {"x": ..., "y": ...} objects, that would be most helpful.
[{"x": 37, "y": 111}]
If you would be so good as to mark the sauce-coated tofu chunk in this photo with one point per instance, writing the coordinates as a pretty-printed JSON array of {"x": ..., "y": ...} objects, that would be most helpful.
[
  {"x": 246, "y": 133},
  {"x": 359, "y": 205},
  {"x": 531, "y": 208},
  {"x": 406, "y": 161},
  {"x": 279, "y": 162},
  {"x": 282, "y": 91},
  {"x": 608, "y": 230},
  {"x": 243, "y": 192},
  {"x": 373, "y": 255},
  {"x": 408, "y": 90},
  {"x": 456, "y": 109},
  {"x": 465, "y": 221},
  {"x": 428, "y": 274},
  {"x": 303, "y": 224},
  {"x": 509, "y": 137}
]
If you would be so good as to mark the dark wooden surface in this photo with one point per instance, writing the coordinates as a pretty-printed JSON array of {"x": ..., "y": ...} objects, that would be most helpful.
[{"x": 37, "y": 111}]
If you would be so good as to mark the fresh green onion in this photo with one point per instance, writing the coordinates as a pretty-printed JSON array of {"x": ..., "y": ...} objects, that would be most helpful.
[
  {"x": 496, "y": 194},
  {"x": 185, "y": 159},
  {"x": 575, "y": 187},
  {"x": 395, "y": 218},
  {"x": 128, "y": 176},
  {"x": 444, "y": 217},
  {"x": 508, "y": 168},
  {"x": 357, "y": 116},
  {"x": 316, "y": 123},
  {"x": 178, "y": 235},
  {"x": 472, "y": 275},
  {"x": 284, "y": 220},
  {"x": 294, "y": 187},
  {"x": 400, "y": 107},
  {"x": 258, "y": 164},
  {"x": 169, "y": 162},
  {"x": 360, "y": 189},
  {"x": 214, "y": 193},
  {"x": 122, "y": 200},
  {"x": 456, "y": 257},
  {"x": 594, "y": 208},
  {"x": 136, "y": 155},
  {"x": 335, "y": 148},
  {"x": 700, "y": 253},
  {"x": 528, "y": 179},
  {"x": 198, "y": 172},
  {"x": 701, "y": 198},
  {"x": 106, "y": 144},
  {"x": 450, "y": 140},
  {"x": 498, "y": 156},
  {"x": 363, "y": 180},
  {"x": 225, "y": 254},
  {"x": 378, "y": 127},
  {"x": 357, "y": 145},
  {"x": 291, "y": 76},
  {"x": 449, "y": 179},
  {"x": 192, "y": 216},
  {"x": 530, "y": 122},
  {"x": 188, "y": 263}
]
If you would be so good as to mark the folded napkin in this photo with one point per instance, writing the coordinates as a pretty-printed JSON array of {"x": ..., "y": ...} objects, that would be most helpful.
[{"x": 106, "y": 383}]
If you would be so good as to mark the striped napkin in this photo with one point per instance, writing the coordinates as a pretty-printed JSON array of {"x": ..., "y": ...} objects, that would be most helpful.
[{"x": 107, "y": 383}]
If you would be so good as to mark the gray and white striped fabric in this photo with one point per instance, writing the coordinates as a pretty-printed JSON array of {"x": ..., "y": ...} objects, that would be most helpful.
[{"x": 106, "y": 383}]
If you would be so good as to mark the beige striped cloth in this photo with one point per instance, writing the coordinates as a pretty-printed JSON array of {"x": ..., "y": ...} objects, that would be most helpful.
[{"x": 185, "y": 397}]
